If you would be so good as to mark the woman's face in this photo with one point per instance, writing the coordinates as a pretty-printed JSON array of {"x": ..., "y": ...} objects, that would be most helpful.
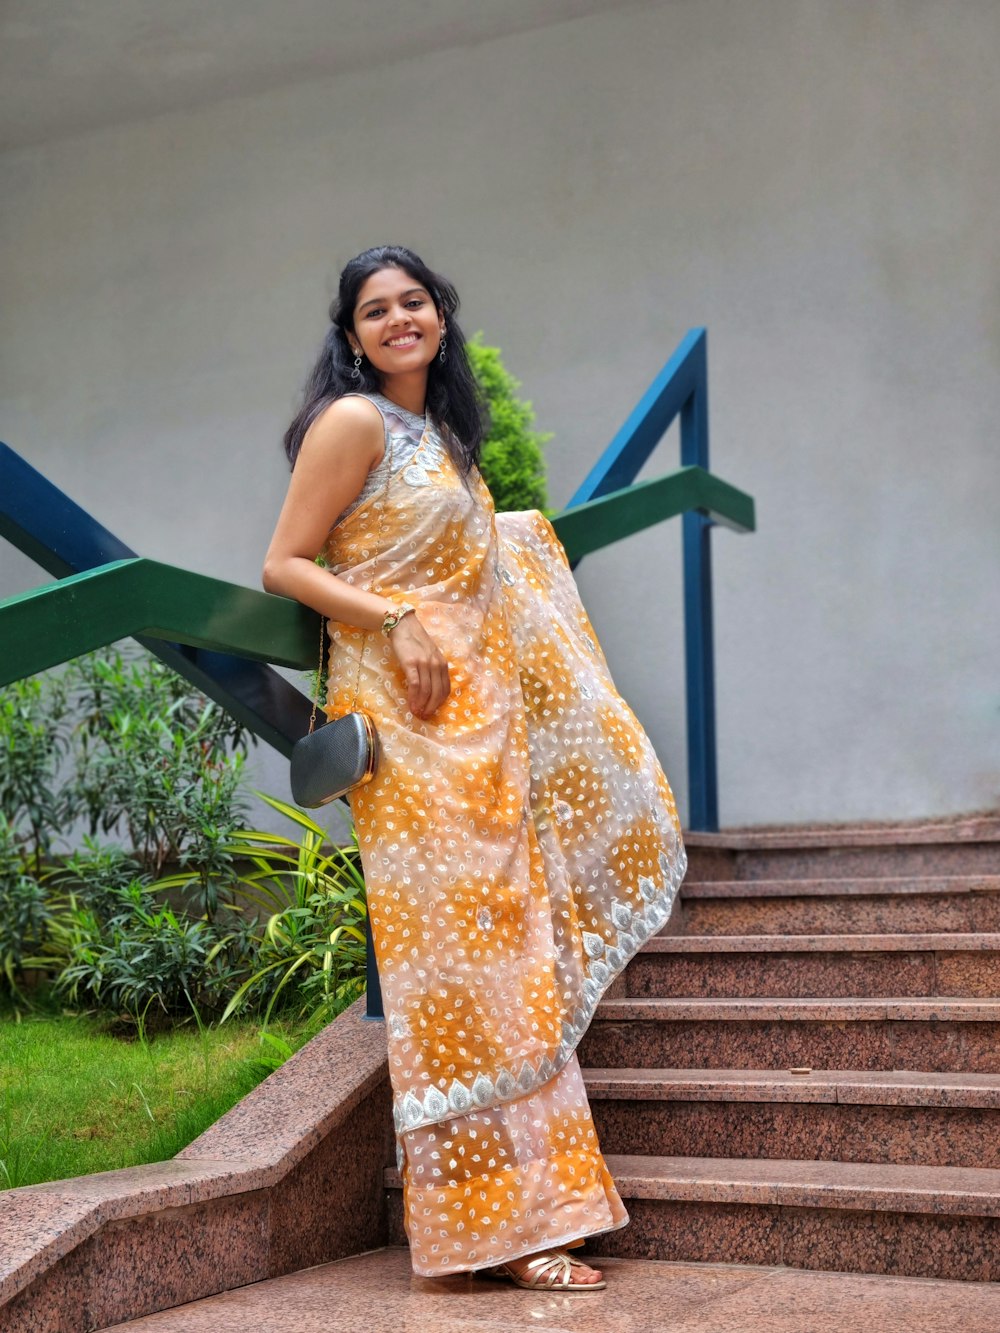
[{"x": 396, "y": 324}]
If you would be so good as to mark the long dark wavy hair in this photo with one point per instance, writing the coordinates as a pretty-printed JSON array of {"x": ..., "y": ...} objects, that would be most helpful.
[{"x": 453, "y": 396}]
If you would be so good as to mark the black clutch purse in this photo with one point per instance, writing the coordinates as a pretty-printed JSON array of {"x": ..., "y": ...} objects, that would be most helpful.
[{"x": 334, "y": 759}]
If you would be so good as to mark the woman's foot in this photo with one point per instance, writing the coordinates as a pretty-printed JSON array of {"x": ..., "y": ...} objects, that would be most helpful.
[{"x": 551, "y": 1270}]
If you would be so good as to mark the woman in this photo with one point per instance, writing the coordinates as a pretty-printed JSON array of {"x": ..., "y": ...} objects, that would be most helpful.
[{"x": 519, "y": 839}]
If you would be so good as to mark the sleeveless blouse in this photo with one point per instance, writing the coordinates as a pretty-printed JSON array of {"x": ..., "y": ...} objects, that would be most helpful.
[{"x": 403, "y": 430}]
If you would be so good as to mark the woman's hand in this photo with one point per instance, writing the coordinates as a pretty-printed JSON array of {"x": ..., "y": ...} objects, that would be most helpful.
[{"x": 423, "y": 664}]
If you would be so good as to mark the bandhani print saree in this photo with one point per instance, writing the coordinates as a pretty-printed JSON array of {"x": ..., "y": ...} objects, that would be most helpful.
[{"x": 518, "y": 847}]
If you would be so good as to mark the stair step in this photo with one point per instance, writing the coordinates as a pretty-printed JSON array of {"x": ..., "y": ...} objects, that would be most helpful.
[
  {"x": 752, "y": 1033},
  {"x": 891, "y": 1087},
  {"x": 857, "y": 1217},
  {"x": 816, "y": 965},
  {"x": 844, "y": 1115},
  {"x": 377, "y": 1290},
  {"x": 969, "y": 848},
  {"x": 917, "y": 885},
  {"x": 901, "y": 905},
  {"x": 956, "y": 1191}
]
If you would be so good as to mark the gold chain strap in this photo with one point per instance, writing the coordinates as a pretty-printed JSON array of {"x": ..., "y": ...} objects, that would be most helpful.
[{"x": 371, "y": 585}]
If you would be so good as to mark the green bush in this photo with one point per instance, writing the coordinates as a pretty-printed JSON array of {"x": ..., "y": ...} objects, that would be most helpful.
[
  {"x": 310, "y": 945},
  {"x": 24, "y": 912},
  {"x": 96, "y": 877},
  {"x": 34, "y": 739},
  {"x": 143, "y": 955},
  {"x": 160, "y": 765},
  {"x": 119, "y": 742},
  {"x": 512, "y": 462}
]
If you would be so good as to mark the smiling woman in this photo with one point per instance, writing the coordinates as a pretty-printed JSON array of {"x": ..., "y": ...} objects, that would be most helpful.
[{"x": 519, "y": 839}]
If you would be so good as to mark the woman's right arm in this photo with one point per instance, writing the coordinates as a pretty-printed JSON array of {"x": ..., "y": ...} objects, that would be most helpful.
[{"x": 340, "y": 447}]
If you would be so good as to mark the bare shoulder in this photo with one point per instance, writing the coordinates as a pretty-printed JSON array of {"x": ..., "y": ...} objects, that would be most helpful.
[{"x": 349, "y": 427}]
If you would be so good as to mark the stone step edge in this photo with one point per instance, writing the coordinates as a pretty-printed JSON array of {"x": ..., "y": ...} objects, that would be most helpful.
[
  {"x": 853, "y": 887},
  {"x": 843, "y": 1087},
  {"x": 960, "y": 942},
  {"x": 856, "y": 1186},
  {"x": 960, "y": 833},
  {"x": 808, "y": 1009}
]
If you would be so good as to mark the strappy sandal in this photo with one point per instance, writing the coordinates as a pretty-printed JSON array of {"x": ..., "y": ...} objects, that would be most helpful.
[{"x": 549, "y": 1272}]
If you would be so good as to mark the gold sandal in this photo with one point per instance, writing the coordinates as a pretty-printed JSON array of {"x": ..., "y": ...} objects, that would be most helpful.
[{"x": 549, "y": 1272}]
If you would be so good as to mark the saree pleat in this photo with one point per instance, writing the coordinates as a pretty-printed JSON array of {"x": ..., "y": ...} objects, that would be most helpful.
[
  {"x": 508, "y": 1180},
  {"x": 518, "y": 848}
]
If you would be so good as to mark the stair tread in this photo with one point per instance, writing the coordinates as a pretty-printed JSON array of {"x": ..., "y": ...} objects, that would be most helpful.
[
  {"x": 844, "y": 1086},
  {"x": 798, "y": 838},
  {"x": 817, "y": 943},
  {"x": 855, "y": 886},
  {"x": 935, "y": 1189},
  {"x": 377, "y": 1290},
  {"x": 911, "y": 1008},
  {"x": 956, "y": 1190}
]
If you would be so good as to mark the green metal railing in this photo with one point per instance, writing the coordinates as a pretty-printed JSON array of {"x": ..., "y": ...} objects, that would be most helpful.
[{"x": 145, "y": 598}]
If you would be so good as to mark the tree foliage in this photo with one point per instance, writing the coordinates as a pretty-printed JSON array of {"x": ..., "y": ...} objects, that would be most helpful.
[{"x": 512, "y": 461}]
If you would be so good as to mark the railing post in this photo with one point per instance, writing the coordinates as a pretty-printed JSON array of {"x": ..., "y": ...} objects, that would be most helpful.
[
  {"x": 699, "y": 650},
  {"x": 373, "y": 986}
]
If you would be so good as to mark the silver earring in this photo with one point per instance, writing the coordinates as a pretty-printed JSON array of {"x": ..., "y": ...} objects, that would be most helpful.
[
  {"x": 356, "y": 372},
  {"x": 444, "y": 344}
]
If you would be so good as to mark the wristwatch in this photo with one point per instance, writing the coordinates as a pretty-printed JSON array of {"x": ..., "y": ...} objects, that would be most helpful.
[{"x": 393, "y": 617}]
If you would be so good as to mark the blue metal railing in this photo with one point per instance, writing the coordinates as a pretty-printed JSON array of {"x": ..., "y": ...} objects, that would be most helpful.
[{"x": 681, "y": 388}]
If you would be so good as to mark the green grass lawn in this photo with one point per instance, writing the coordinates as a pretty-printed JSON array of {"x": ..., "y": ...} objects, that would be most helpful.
[{"x": 76, "y": 1099}]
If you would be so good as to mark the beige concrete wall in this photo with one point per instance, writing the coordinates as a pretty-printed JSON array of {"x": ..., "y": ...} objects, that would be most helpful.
[{"x": 815, "y": 181}]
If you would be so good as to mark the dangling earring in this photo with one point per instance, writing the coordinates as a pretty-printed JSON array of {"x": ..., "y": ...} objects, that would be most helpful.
[
  {"x": 356, "y": 372},
  {"x": 444, "y": 344}
]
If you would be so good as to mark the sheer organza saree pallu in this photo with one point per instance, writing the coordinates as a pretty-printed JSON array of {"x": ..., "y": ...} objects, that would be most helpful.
[{"x": 518, "y": 848}]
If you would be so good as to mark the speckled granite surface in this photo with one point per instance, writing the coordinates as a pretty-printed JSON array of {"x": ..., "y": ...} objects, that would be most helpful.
[
  {"x": 806, "y": 966},
  {"x": 736, "y": 912},
  {"x": 906, "y": 1033},
  {"x": 902, "y": 1244},
  {"x": 827, "y": 1131},
  {"x": 845, "y": 853},
  {"x": 641, "y": 1297}
]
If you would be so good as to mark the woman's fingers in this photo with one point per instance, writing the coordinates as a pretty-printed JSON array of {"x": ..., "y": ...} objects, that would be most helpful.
[
  {"x": 443, "y": 683},
  {"x": 427, "y": 680},
  {"x": 429, "y": 686},
  {"x": 419, "y": 692}
]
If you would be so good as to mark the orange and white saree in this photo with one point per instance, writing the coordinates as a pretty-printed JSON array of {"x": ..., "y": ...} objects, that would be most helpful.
[{"x": 518, "y": 848}]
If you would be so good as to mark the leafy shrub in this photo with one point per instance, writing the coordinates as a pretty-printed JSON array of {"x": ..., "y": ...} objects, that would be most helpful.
[
  {"x": 512, "y": 462},
  {"x": 157, "y": 762},
  {"x": 96, "y": 876},
  {"x": 33, "y": 744},
  {"x": 145, "y": 956},
  {"x": 311, "y": 949},
  {"x": 24, "y": 912},
  {"x": 121, "y": 742}
]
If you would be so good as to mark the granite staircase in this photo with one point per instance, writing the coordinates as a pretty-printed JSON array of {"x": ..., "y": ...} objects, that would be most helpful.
[{"x": 806, "y": 1071}]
